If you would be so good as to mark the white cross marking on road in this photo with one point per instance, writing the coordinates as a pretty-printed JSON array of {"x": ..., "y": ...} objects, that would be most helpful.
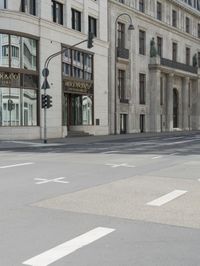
[
  {"x": 55, "y": 180},
  {"x": 113, "y": 165}
]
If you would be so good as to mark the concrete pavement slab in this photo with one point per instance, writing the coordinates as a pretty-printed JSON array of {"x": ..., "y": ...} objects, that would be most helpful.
[{"x": 128, "y": 199}]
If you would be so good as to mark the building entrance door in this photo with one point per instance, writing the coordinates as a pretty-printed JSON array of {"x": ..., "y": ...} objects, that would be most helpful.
[
  {"x": 123, "y": 122},
  {"x": 142, "y": 123},
  {"x": 175, "y": 108}
]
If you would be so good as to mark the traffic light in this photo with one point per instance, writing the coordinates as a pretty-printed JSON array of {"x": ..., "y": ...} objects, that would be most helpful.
[
  {"x": 49, "y": 101},
  {"x": 46, "y": 101},
  {"x": 90, "y": 40},
  {"x": 11, "y": 105}
]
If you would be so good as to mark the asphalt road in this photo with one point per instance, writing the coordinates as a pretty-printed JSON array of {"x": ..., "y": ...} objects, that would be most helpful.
[{"x": 128, "y": 201}]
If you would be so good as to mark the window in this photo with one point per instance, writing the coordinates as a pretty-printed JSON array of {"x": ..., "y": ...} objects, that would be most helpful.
[
  {"x": 3, "y": 4},
  {"x": 198, "y": 59},
  {"x": 187, "y": 25},
  {"x": 141, "y": 5},
  {"x": 174, "y": 18},
  {"x": 92, "y": 25},
  {"x": 77, "y": 64},
  {"x": 142, "y": 85},
  {"x": 161, "y": 91},
  {"x": 121, "y": 34},
  {"x": 142, "y": 40},
  {"x": 187, "y": 56},
  {"x": 57, "y": 12},
  {"x": 121, "y": 84},
  {"x": 28, "y": 6},
  {"x": 76, "y": 20},
  {"x": 159, "y": 11},
  {"x": 159, "y": 46},
  {"x": 121, "y": 1},
  {"x": 174, "y": 51},
  {"x": 198, "y": 34}
]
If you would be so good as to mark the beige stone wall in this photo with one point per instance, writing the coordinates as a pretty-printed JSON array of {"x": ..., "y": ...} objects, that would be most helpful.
[{"x": 137, "y": 63}]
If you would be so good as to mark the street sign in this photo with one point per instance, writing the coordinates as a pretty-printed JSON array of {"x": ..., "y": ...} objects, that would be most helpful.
[
  {"x": 45, "y": 84},
  {"x": 45, "y": 72}
]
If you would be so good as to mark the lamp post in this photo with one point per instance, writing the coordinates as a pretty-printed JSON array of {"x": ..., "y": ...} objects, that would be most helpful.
[{"x": 130, "y": 27}]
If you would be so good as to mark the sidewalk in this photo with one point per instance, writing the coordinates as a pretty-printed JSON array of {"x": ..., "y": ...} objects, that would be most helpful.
[{"x": 67, "y": 141}]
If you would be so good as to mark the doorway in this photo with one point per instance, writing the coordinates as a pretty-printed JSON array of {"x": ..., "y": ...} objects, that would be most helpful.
[
  {"x": 142, "y": 123},
  {"x": 175, "y": 108},
  {"x": 123, "y": 123}
]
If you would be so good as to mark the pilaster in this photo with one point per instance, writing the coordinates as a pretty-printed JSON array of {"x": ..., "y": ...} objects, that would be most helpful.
[
  {"x": 155, "y": 100},
  {"x": 185, "y": 89},
  {"x": 169, "y": 90}
]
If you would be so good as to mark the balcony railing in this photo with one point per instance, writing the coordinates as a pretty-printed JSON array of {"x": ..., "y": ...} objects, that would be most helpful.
[
  {"x": 177, "y": 65},
  {"x": 122, "y": 53}
]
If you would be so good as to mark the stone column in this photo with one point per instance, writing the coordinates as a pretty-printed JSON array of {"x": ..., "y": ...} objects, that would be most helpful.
[
  {"x": 154, "y": 100},
  {"x": 185, "y": 99},
  {"x": 169, "y": 100},
  {"x": 196, "y": 107}
]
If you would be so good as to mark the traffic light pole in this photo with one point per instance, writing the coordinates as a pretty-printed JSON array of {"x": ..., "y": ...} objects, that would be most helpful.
[{"x": 45, "y": 73}]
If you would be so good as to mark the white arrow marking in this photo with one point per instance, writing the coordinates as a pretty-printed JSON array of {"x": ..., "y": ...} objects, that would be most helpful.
[
  {"x": 55, "y": 180},
  {"x": 15, "y": 165},
  {"x": 68, "y": 247},
  {"x": 119, "y": 165}
]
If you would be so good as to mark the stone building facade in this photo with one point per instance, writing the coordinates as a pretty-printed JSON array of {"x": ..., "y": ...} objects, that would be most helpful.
[
  {"x": 32, "y": 30},
  {"x": 154, "y": 75}
]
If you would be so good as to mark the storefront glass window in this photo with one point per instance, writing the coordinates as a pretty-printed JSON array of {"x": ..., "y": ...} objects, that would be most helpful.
[
  {"x": 18, "y": 87},
  {"x": 81, "y": 110},
  {"x": 18, "y": 107},
  {"x": 78, "y": 88}
]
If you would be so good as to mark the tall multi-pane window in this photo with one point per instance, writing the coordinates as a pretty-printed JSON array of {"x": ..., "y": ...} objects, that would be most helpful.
[
  {"x": 3, "y": 4},
  {"x": 174, "y": 51},
  {"x": 142, "y": 40},
  {"x": 28, "y": 6},
  {"x": 159, "y": 11},
  {"x": 198, "y": 33},
  {"x": 187, "y": 56},
  {"x": 187, "y": 25},
  {"x": 141, "y": 5},
  {"x": 159, "y": 46},
  {"x": 174, "y": 18},
  {"x": 142, "y": 85},
  {"x": 121, "y": 34},
  {"x": 198, "y": 59},
  {"x": 161, "y": 91},
  {"x": 77, "y": 64},
  {"x": 92, "y": 25},
  {"x": 121, "y": 84},
  {"x": 57, "y": 12},
  {"x": 76, "y": 20}
]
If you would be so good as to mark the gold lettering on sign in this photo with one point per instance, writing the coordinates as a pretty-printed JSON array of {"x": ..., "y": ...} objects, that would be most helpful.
[
  {"x": 9, "y": 79},
  {"x": 78, "y": 85},
  {"x": 6, "y": 76}
]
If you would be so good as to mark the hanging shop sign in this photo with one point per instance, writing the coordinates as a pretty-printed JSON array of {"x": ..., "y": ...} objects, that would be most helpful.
[
  {"x": 8, "y": 79},
  {"x": 78, "y": 86}
]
